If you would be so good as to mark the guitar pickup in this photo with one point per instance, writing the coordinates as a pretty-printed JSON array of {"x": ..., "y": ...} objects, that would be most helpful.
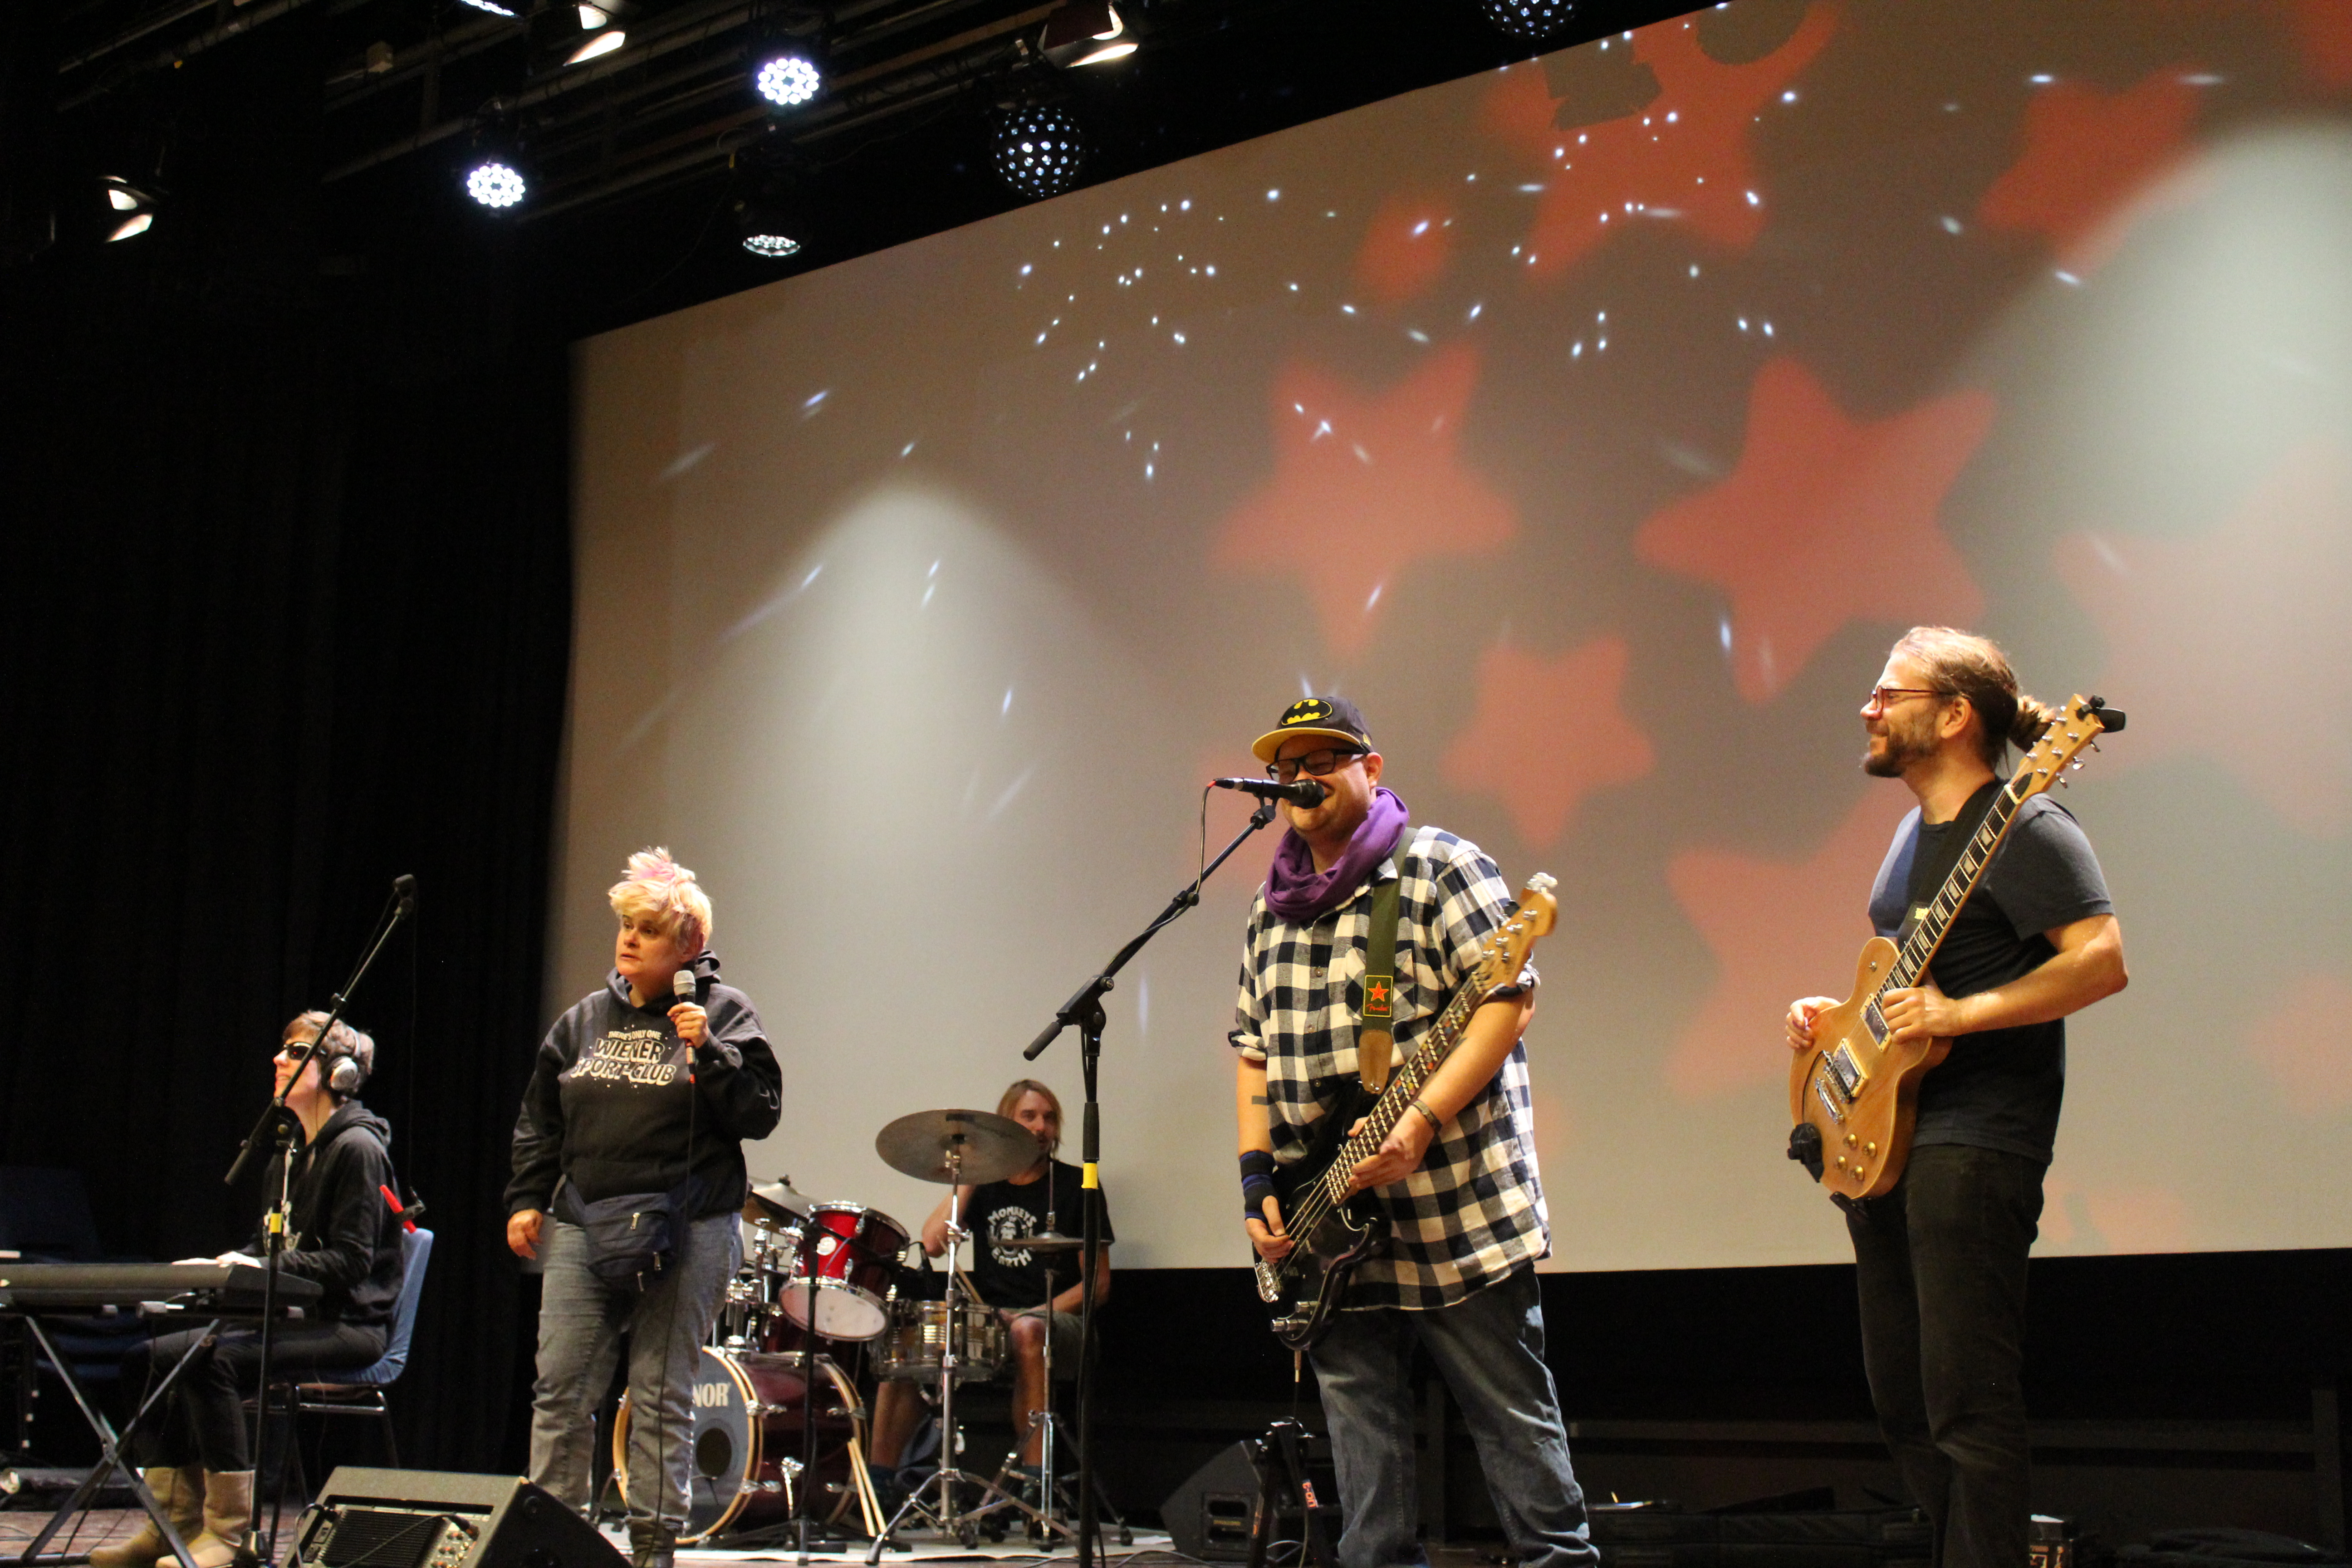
[
  {"x": 1850, "y": 1074},
  {"x": 1875, "y": 1022},
  {"x": 1829, "y": 1098}
]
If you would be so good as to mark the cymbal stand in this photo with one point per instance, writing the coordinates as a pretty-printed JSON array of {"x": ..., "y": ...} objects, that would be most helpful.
[{"x": 944, "y": 1516}]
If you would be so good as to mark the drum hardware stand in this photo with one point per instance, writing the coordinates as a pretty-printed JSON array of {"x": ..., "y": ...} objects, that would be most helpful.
[
  {"x": 1282, "y": 1483},
  {"x": 277, "y": 1125},
  {"x": 945, "y": 1517},
  {"x": 1084, "y": 1011},
  {"x": 1048, "y": 1422}
]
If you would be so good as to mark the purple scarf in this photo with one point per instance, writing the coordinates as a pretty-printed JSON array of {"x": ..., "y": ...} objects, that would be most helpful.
[{"x": 1297, "y": 892}]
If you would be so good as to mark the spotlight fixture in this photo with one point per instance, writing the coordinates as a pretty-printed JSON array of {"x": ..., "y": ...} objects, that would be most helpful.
[
  {"x": 496, "y": 182},
  {"x": 135, "y": 203},
  {"x": 597, "y": 46},
  {"x": 1038, "y": 149},
  {"x": 766, "y": 230},
  {"x": 1532, "y": 20},
  {"x": 788, "y": 80},
  {"x": 1085, "y": 33}
]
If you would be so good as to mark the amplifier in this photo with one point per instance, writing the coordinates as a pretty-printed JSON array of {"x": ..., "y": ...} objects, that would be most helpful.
[{"x": 436, "y": 1518}]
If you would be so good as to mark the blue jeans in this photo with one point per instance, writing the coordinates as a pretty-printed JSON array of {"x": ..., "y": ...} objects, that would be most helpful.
[
  {"x": 580, "y": 1319},
  {"x": 1940, "y": 1265},
  {"x": 1489, "y": 1348}
]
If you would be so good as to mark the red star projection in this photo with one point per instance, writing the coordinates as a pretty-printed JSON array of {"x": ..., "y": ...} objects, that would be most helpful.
[
  {"x": 1826, "y": 520},
  {"x": 1778, "y": 930},
  {"x": 2088, "y": 153},
  {"x": 2304, "y": 1042},
  {"x": 1685, "y": 157},
  {"x": 1548, "y": 733},
  {"x": 1365, "y": 485},
  {"x": 2323, "y": 29},
  {"x": 2252, "y": 612},
  {"x": 1407, "y": 248}
]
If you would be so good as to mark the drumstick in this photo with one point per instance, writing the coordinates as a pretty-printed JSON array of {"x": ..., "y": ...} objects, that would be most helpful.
[
  {"x": 867, "y": 1502},
  {"x": 970, "y": 1288}
]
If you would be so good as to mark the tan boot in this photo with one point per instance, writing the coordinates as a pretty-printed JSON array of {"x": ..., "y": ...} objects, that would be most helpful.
[
  {"x": 180, "y": 1493},
  {"x": 228, "y": 1509}
]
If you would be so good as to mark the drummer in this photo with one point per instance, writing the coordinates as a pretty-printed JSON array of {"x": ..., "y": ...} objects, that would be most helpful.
[{"x": 1011, "y": 1279}]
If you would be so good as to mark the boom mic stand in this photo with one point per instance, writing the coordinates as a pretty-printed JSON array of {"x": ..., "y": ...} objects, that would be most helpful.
[
  {"x": 1084, "y": 1011},
  {"x": 277, "y": 1127}
]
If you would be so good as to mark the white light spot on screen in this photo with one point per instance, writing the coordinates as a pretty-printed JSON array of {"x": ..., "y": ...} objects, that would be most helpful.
[
  {"x": 1417, "y": 334},
  {"x": 813, "y": 572},
  {"x": 1361, "y": 456},
  {"x": 932, "y": 573},
  {"x": 1348, "y": 309},
  {"x": 1474, "y": 313},
  {"x": 1299, "y": 408},
  {"x": 1673, "y": 115},
  {"x": 1599, "y": 346},
  {"x": 1754, "y": 200},
  {"x": 1147, "y": 472},
  {"x": 1576, "y": 350},
  {"x": 1274, "y": 195},
  {"x": 1743, "y": 323},
  {"x": 686, "y": 460},
  {"x": 814, "y": 402},
  {"x": 1471, "y": 179},
  {"x": 1421, "y": 228},
  {"x": 1007, "y": 705},
  {"x": 1179, "y": 337},
  {"x": 2202, "y": 79},
  {"x": 1789, "y": 95},
  {"x": 1322, "y": 428},
  {"x": 927, "y": 594},
  {"x": 1580, "y": 138},
  {"x": 2069, "y": 278},
  {"x": 1294, "y": 288},
  {"x": 1122, "y": 217},
  {"x": 1041, "y": 339},
  {"x": 1694, "y": 270},
  {"x": 1011, "y": 792},
  {"x": 1375, "y": 597},
  {"x": 1024, "y": 270},
  {"x": 1184, "y": 206},
  {"x": 1211, "y": 271},
  {"x": 1951, "y": 108},
  {"x": 1530, "y": 190},
  {"x": 1723, "y": 633},
  {"x": 1559, "y": 152},
  {"x": 1951, "y": 224},
  {"x": 1305, "y": 687},
  {"x": 908, "y": 450},
  {"x": 1768, "y": 329},
  {"x": 2042, "y": 78}
]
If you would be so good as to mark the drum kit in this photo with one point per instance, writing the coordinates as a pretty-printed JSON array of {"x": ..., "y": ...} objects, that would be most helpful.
[{"x": 819, "y": 1282}]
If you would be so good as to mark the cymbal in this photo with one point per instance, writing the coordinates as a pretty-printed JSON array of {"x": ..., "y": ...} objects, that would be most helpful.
[
  {"x": 777, "y": 1200},
  {"x": 989, "y": 1147},
  {"x": 1046, "y": 1241}
]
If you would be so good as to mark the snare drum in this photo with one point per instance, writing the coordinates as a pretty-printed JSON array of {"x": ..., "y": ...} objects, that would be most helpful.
[
  {"x": 850, "y": 1253},
  {"x": 918, "y": 1342},
  {"x": 747, "y": 1444}
]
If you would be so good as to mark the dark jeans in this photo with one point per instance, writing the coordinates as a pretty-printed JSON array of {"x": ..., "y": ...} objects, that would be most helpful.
[
  {"x": 201, "y": 1420},
  {"x": 1940, "y": 1264}
]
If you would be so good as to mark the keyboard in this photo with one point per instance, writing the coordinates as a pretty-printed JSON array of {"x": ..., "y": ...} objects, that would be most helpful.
[{"x": 232, "y": 1288}]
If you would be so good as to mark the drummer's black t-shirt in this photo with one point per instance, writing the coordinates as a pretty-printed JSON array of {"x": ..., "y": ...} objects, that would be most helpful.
[{"x": 1008, "y": 1274}]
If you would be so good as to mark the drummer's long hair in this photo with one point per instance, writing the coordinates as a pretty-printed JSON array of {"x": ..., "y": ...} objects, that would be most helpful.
[{"x": 1012, "y": 1098}]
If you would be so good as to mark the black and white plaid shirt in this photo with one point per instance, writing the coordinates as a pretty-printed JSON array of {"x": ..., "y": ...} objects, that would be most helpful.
[{"x": 1474, "y": 1211}]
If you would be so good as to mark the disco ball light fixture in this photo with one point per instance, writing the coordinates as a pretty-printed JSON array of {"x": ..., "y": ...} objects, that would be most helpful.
[
  {"x": 495, "y": 185},
  {"x": 1038, "y": 150},
  {"x": 1528, "y": 19},
  {"x": 788, "y": 80}
]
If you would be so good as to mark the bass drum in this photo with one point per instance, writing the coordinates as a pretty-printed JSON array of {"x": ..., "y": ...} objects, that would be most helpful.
[{"x": 747, "y": 1444}]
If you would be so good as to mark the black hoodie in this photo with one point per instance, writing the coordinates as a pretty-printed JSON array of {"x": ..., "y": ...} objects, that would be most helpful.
[
  {"x": 342, "y": 1233},
  {"x": 610, "y": 1103}
]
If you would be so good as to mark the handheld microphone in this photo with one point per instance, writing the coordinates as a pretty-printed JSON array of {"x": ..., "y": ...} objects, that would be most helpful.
[
  {"x": 1305, "y": 791},
  {"x": 404, "y": 891},
  {"x": 681, "y": 985}
]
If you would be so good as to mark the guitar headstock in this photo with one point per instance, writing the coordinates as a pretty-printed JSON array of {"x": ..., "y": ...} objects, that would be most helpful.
[
  {"x": 1506, "y": 952},
  {"x": 2076, "y": 727}
]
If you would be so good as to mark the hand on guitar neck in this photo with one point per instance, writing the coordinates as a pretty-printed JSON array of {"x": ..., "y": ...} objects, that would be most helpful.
[{"x": 1915, "y": 1013}]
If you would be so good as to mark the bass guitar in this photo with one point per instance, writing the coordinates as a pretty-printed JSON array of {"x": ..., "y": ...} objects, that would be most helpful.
[
  {"x": 1855, "y": 1092},
  {"x": 1335, "y": 1230}
]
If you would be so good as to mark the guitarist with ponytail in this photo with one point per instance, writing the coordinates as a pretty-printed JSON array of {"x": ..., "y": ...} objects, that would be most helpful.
[
  {"x": 1940, "y": 1254},
  {"x": 1363, "y": 947}
]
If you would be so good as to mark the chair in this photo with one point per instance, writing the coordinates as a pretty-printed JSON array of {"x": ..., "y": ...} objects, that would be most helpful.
[{"x": 362, "y": 1393}]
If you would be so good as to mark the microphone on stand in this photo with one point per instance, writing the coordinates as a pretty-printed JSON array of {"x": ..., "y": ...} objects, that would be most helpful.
[
  {"x": 1305, "y": 791},
  {"x": 403, "y": 891}
]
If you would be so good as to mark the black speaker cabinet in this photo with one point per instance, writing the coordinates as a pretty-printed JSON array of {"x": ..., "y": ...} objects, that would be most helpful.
[
  {"x": 436, "y": 1519},
  {"x": 1209, "y": 1516}
]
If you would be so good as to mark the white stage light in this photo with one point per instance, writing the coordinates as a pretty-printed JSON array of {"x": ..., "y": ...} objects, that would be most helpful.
[
  {"x": 495, "y": 185},
  {"x": 140, "y": 224},
  {"x": 1529, "y": 19},
  {"x": 788, "y": 80},
  {"x": 602, "y": 44},
  {"x": 492, "y": 6},
  {"x": 774, "y": 246},
  {"x": 1038, "y": 150}
]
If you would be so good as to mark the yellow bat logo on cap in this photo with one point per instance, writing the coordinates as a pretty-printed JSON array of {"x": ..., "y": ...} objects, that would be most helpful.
[{"x": 1306, "y": 711}]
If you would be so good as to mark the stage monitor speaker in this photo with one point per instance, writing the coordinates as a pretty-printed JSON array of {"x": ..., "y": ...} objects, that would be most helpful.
[
  {"x": 1209, "y": 1516},
  {"x": 438, "y": 1519}
]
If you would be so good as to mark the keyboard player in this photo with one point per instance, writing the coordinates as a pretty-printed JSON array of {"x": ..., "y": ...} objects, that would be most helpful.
[{"x": 343, "y": 1235}]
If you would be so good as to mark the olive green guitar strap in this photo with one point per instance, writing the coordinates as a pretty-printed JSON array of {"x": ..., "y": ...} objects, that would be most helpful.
[{"x": 1376, "y": 1029}]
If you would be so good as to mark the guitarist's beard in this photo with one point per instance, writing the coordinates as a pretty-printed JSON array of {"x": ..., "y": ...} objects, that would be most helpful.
[{"x": 1907, "y": 742}]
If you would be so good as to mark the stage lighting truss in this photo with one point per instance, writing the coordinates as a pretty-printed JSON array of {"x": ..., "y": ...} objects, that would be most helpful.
[
  {"x": 1532, "y": 20},
  {"x": 1038, "y": 150},
  {"x": 788, "y": 80},
  {"x": 133, "y": 204},
  {"x": 496, "y": 182}
]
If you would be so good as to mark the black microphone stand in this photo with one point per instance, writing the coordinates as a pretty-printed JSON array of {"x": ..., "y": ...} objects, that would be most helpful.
[
  {"x": 1084, "y": 1011},
  {"x": 277, "y": 1127}
]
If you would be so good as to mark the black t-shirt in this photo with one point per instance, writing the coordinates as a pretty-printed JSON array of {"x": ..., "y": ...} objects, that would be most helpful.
[
  {"x": 1008, "y": 1274},
  {"x": 1999, "y": 1088}
]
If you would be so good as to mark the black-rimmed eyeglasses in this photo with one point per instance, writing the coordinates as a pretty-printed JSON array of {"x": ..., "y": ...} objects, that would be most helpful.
[{"x": 1314, "y": 764}]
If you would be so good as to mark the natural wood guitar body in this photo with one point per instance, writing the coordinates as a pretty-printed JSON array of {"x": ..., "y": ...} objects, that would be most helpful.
[{"x": 1858, "y": 1087}]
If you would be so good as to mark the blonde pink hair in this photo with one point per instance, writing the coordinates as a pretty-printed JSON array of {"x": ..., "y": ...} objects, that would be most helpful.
[{"x": 659, "y": 886}]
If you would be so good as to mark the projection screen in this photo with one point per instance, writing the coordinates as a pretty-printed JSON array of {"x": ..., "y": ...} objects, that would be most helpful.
[{"x": 1595, "y": 424}]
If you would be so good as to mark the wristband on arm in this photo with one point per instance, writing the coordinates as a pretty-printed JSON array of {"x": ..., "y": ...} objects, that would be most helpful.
[{"x": 1257, "y": 1182}]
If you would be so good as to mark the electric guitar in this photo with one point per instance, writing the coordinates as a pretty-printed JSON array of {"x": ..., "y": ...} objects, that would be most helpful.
[
  {"x": 1855, "y": 1092},
  {"x": 1333, "y": 1229}
]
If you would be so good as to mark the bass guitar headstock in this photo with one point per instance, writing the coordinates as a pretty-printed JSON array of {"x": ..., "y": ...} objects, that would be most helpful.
[
  {"x": 2073, "y": 728},
  {"x": 1506, "y": 949}
]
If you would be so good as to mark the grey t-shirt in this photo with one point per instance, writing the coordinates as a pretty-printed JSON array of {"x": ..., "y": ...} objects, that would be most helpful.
[{"x": 1999, "y": 1088}]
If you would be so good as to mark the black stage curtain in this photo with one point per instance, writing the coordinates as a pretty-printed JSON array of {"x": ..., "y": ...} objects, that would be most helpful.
[{"x": 286, "y": 632}]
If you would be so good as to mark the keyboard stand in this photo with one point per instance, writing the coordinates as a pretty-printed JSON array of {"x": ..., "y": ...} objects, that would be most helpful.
[{"x": 109, "y": 1451}]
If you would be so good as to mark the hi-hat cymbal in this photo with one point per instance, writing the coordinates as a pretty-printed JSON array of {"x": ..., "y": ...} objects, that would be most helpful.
[
  {"x": 777, "y": 1200},
  {"x": 1045, "y": 1241},
  {"x": 987, "y": 1147}
]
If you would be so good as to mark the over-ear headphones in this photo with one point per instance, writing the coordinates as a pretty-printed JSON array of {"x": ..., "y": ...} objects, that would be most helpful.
[{"x": 346, "y": 1076}]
